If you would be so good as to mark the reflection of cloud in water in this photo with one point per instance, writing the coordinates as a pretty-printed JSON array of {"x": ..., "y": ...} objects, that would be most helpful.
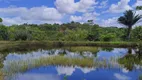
[
  {"x": 121, "y": 77},
  {"x": 72, "y": 54},
  {"x": 44, "y": 53},
  {"x": 88, "y": 54},
  {"x": 124, "y": 70},
  {"x": 34, "y": 77},
  {"x": 69, "y": 70},
  {"x": 117, "y": 52},
  {"x": 65, "y": 70},
  {"x": 86, "y": 70}
]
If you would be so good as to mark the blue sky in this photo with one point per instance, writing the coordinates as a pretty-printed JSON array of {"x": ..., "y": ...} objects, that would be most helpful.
[{"x": 103, "y": 12}]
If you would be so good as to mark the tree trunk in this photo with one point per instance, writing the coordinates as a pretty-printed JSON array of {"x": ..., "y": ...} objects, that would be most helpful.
[{"x": 129, "y": 32}]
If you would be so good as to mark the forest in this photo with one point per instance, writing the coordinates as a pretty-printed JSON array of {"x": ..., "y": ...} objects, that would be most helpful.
[{"x": 73, "y": 31}]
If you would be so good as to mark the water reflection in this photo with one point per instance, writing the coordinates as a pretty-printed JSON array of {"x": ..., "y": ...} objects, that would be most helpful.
[
  {"x": 122, "y": 64},
  {"x": 76, "y": 73}
]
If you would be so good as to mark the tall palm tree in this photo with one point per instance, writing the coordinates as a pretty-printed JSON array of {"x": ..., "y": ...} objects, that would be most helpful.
[{"x": 129, "y": 19}]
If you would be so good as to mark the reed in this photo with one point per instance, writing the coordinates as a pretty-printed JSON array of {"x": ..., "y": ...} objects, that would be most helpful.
[
  {"x": 83, "y": 48},
  {"x": 21, "y": 66}
]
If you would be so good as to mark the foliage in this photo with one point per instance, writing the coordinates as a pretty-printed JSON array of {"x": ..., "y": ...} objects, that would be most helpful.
[
  {"x": 94, "y": 33},
  {"x": 139, "y": 7},
  {"x": 108, "y": 37},
  {"x": 22, "y": 35},
  {"x": 1, "y": 20},
  {"x": 57, "y": 60},
  {"x": 3, "y": 33},
  {"x": 83, "y": 48},
  {"x": 73, "y": 31},
  {"x": 137, "y": 33},
  {"x": 140, "y": 77},
  {"x": 76, "y": 35},
  {"x": 129, "y": 19}
]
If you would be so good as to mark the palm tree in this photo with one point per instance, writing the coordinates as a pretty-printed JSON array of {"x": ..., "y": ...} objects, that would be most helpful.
[{"x": 129, "y": 19}]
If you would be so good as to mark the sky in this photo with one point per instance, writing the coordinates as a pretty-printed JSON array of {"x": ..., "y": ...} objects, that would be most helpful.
[{"x": 102, "y": 12}]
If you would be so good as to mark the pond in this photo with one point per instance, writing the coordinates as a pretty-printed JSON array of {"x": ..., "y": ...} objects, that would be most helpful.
[{"x": 73, "y": 63}]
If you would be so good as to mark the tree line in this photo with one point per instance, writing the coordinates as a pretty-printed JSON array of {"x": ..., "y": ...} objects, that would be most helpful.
[{"x": 75, "y": 31}]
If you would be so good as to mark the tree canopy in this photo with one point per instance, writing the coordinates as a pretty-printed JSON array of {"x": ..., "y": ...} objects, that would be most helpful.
[{"x": 129, "y": 19}]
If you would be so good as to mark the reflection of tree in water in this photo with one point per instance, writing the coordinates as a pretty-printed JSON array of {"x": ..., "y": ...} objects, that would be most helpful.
[
  {"x": 108, "y": 49},
  {"x": 2, "y": 58},
  {"x": 1, "y": 65},
  {"x": 130, "y": 60}
]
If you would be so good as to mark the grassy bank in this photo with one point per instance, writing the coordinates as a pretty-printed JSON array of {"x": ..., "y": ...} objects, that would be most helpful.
[{"x": 32, "y": 45}]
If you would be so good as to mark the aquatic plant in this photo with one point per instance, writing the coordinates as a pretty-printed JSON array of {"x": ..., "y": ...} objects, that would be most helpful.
[
  {"x": 83, "y": 48},
  {"x": 140, "y": 77},
  {"x": 130, "y": 60},
  {"x": 23, "y": 65},
  {"x": 1, "y": 75}
]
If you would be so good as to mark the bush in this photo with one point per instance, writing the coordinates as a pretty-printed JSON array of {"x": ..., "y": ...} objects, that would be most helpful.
[
  {"x": 108, "y": 37},
  {"x": 76, "y": 35},
  {"x": 22, "y": 35},
  {"x": 3, "y": 33},
  {"x": 137, "y": 33}
]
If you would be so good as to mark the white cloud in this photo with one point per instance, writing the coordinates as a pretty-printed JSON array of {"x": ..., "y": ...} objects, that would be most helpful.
[
  {"x": 120, "y": 6},
  {"x": 138, "y": 3},
  {"x": 103, "y": 4},
  {"x": 114, "y": 23},
  {"x": 124, "y": 70},
  {"x": 18, "y": 15},
  {"x": 86, "y": 70},
  {"x": 65, "y": 70},
  {"x": 121, "y": 77},
  {"x": 70, "y": 6},
  {"x": 85, "y": 17},
  {"x": 110, "y": 22},
  {"x": 70, "y": 70}
]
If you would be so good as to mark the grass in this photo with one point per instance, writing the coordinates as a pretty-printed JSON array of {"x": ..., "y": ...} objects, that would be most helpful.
[
  {"x": 140, "y": 77},
  {"x": 12, "y": 46},
  {"x": 82, "y": 49},
  {"x": 24, "y": 65},
  {"x": 130, "y": 60},
  {"x": 21, "y": 66},
  {"x": 1, "y": 75}
]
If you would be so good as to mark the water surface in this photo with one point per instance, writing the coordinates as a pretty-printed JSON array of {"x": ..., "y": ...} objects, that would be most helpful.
[{"x": 112, "y": 64}]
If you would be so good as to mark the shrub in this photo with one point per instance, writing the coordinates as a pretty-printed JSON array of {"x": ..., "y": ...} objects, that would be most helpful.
[
  {"x": 3, "y": 33},
  {"x": 137, "y": 33},
  {"x": 108, "y": 37},
  {"x": 76, "y": 35},
  {"x": 22, "y": 35}
]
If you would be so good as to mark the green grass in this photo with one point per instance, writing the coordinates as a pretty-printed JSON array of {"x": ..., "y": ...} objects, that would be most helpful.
[
  {"x": 21, "y": 66},
  {"x": 82, "y": 49},
  {"x": 12, "y": 46},
  {"x": 1, "y": 75},
  {"x": 140, "y": 77}
]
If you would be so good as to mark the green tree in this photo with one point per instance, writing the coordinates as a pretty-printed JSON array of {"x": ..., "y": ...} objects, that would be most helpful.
[
  {"x": 76, "y": 35},
  {"x": 129, "y": 19},
  {"x": 137, "y": 33},
  {"x": 139, "y": 8},
  {"x": 108, "y": 37},
  {"x": 1, "y": 20},
  {"x": 3, "y": 33}
]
